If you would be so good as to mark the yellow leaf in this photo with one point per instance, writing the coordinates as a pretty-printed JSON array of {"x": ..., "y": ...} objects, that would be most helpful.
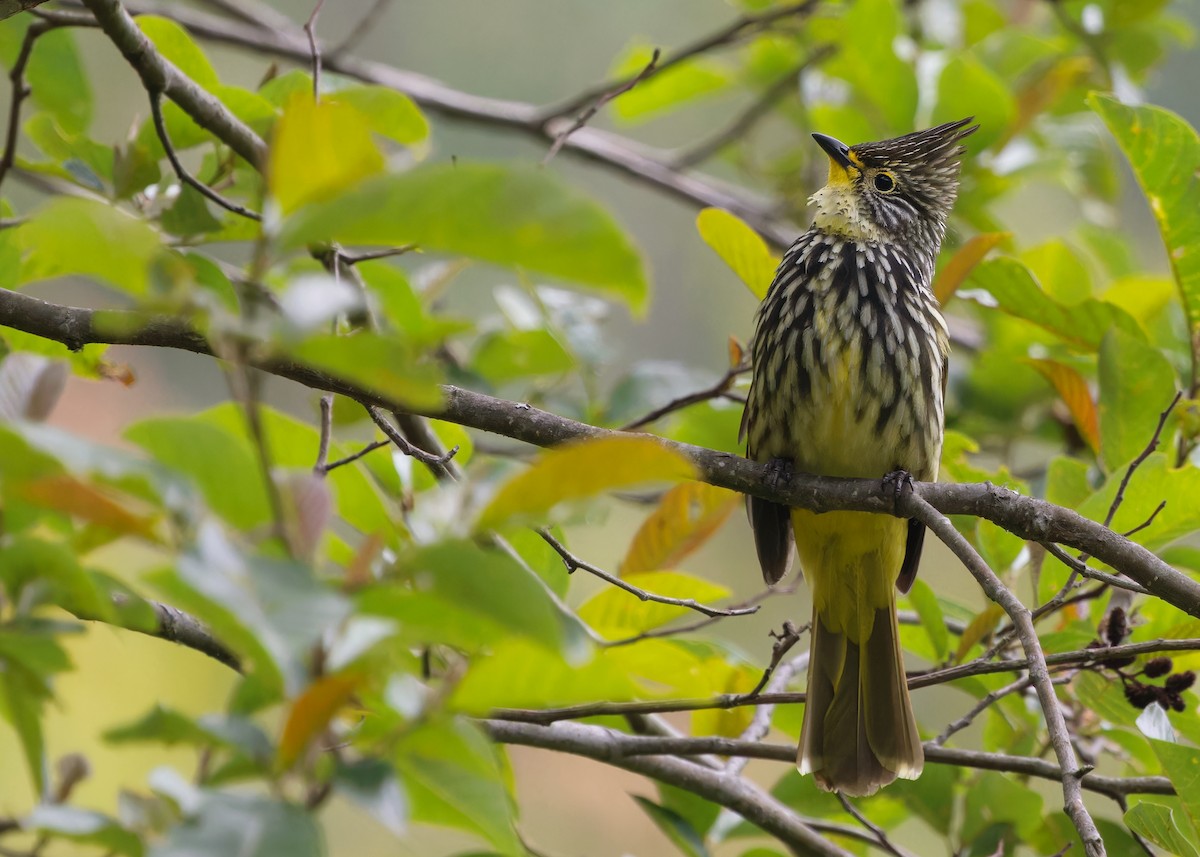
[
  {"x": 981, "y": 626},
  {"x": 1073, "y": 390},
  {"x": 311, "y": 713},
  {"x": 615, "y": 613},
  {"x": 319, "y": 150},
  {"x": 730, "y": 722},
  {"x": 741, "y": 248},
  {"x": 955, "y": 271},
  {"x": 72, "y": 496},
  {"x": 585, "y": 469},
  {"x": 686, "y": 517}
]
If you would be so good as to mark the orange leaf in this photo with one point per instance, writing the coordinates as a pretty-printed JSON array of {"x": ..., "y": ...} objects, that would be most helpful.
[
  {"x": 1073, "y": 390},
  {"x": 955, "y": 272},
  {"x": 72, "y": 496},
  {"x": 686, "y": 517},
  {"x": 311, "y": 713}
]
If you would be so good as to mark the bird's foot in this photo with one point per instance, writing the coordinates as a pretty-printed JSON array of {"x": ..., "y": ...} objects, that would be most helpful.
[
  {"x": 779, "y": 473},
  {"x": 899, "y": 480}
]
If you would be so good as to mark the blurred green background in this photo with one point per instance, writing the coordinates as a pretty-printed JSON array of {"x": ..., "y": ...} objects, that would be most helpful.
[{"x": 538, "y": 51}]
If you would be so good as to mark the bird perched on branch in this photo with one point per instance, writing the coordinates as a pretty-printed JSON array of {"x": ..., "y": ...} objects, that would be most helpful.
[{"x": 849, "y": 357}]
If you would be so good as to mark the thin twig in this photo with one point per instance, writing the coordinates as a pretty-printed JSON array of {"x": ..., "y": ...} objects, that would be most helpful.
[
  {"x": 1162, "y": 504},
  {"x": 586, "y": 116},
  {"x": 715, "y": 391},
  {"x": 1060, "y": 738},
  {"x": 1084, "y": 570},
  {"x": 1137, "y": 462},
  {"x": 403, "y": 444},
  {"x": 881, "y": 837},
  {"x": 310, "y": 29},
  {"x": 160, "y": 126},
  {"x": 1018, "y": 686},
  {"x": 759, "y": 109},
  {"x": 321, "y": 465},
  {"x": 730, "y": 34},
  {"x": 353, "y": 457},
  {"x": 675, "y": 630},
  {"x": 20, "y": 91},
  {"x": 760, "y": 722},
  {"x": 574, "y": 563},
  {"x": 784, "y": 640},
  {"x": 366, "y": 256}
]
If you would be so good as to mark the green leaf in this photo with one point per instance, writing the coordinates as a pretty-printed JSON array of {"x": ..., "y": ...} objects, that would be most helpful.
[
  {"x": 84, "y": 826},
  {"x": 1067, "y": 482},
  {"x": 969, "y": 88},
  {"x": 176, "y": 46},
  {"x": 462, "y": 595},
  {"x": 189, "y": 214},
  {"x": 517, "y": 674},
  {"x": 923, "y": 599},
  {"x": 248, "y": 825},
  {"x": 1136, "y": 386},
  {"x": 372, "y": 785},
  {"x": 1159, "y": 824},
  {"x": 1164, "y": 152},
  {"x": 511, "y": 354},
  {"x": 662, "y": 91},
  {"x": 166, "y": 726},
  {"x": 318, "y": 151},
  {"x": 1016, "y": 292},
  {"x": 58, "y": 82},
  {"x": 69, "y": 235},
  {"x": 584, "y": 469},
  {"x": 515, "y": 216},
  {"x": 867, "y": 60},
  {"x": 26, "y": 559},
  {"x": 1154, "y": 481},
  {"x": 454, "y": 779},
  {"x": 740, "y": 247},
  {"x": 1181, "y": 764},
  {"x": 389, "y": 113},
  {"x": 235, "y": 490},
  {"x": 675, "y": 827},
  {"x": 383, "y": 364},
  {"x": 271, "y": 612}
]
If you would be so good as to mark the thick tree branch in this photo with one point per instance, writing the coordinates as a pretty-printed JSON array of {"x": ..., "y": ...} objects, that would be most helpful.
[{"x": 1027, "y": 517}]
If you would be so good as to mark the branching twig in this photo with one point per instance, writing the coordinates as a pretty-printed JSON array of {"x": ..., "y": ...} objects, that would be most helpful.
[
  {"x": 759, "y": 109},
  {"x": 367, "y": 255},
  {"x": 784, "y": 640},
  {"x": 574, "y": 563},
  {"x": 674, "y": 630},
  {"x": 1119, "y": 497},
  {"x": 1019, "y": 614},
  {"x": 715, "y": 391},
  {"x": 160, "y": 126},
  {"x": 727, "y": 35},
  {"x": 879, "y": 834},
  {"x": 314, "y": 47},
  {"x": 353, "y": 457},
  {"x": 20, "y": 91},
  {"x": 1018, "y": 686},
  {"x": 586, "y": 116},
  {"x": 403, "y": 444}
]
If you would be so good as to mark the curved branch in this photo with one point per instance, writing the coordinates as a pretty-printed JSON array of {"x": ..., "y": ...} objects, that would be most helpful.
[
  {"x": 1027, "y": 517},
  {"x": 602, "y": 147},
  {"x": 733, "y": 792},
  {"x": 618, "y": 748}
]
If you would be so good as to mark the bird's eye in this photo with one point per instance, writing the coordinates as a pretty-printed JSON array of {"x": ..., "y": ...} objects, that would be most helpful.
[{"x": 884, "y": 183}]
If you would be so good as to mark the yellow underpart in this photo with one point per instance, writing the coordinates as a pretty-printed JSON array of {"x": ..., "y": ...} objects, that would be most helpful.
[{"x": 850, "y": 560}]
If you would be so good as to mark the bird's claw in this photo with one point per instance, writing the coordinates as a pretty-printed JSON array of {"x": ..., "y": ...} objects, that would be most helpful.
[
  {"x": 899, "y": 480},
  {"x": 779, "y": 473}
]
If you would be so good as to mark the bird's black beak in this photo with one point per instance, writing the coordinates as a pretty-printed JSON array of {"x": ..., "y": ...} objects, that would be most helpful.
[{"x": 837, "y": 151}]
